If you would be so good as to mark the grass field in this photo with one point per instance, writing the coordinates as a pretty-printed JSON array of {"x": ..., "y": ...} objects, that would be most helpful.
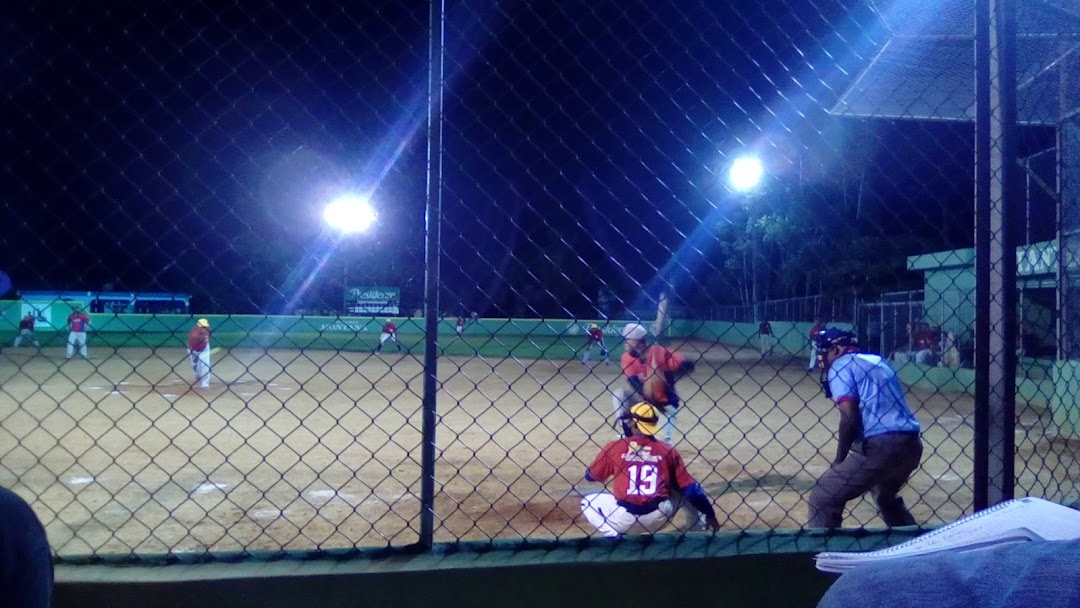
[{"x": 302, "y": 448}]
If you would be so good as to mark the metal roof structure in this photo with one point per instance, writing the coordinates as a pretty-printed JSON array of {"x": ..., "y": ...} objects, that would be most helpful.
[{"x": 925, "y": 69}]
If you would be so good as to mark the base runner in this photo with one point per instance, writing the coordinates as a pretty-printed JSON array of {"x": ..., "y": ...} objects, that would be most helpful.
[{"x": 651, "y": 483}]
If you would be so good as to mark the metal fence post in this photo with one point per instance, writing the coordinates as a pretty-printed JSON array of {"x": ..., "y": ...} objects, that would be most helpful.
[
  {"x": 431, "y": 274},
  {"x": 995, "y": 257}
]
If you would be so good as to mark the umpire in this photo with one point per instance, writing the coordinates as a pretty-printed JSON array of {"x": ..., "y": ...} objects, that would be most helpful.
[{"x": 879, "y": 445}]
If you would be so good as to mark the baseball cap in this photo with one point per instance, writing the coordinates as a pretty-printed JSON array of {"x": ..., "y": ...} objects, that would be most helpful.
[
  {"x": 647, "y": 418},
  {"x": 594, "y": 326},
  {"x": 834, "y": 336},
  {"x": 634, "y": 331},
  {"x": 203, "y": 323}
]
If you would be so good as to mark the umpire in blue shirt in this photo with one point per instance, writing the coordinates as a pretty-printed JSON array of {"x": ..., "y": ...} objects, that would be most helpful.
[{"x": 879, "y": 445}]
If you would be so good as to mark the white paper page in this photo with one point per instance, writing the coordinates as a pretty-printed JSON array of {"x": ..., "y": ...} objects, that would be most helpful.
[{"x": 1031, "y": 518}]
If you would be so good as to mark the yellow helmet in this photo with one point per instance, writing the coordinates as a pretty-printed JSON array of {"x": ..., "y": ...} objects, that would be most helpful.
[
  {"x": 594, "y": 326},
  {"x": 647, "y": 418},
  {"x": 203, "y": 323}
]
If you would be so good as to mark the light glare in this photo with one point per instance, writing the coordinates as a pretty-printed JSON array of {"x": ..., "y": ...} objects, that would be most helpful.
[
  {"x": 349, "y": 215},
  {"x": 746, "y": 173}
]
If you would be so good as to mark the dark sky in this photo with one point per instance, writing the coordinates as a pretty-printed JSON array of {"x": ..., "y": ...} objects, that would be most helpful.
[{"x": 165, "y": 147}]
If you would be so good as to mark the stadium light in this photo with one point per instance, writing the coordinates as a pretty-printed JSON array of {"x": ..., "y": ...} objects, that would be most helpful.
[
  {"x": 745, "y": 173},
  {"x": 349, "y": 214}
]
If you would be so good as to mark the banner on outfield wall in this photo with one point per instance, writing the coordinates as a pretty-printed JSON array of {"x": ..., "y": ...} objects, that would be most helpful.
[{"x": 372, "y": 300}]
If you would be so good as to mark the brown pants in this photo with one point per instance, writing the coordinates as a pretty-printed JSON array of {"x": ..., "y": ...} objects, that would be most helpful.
[{"x": 883, "y": 465}]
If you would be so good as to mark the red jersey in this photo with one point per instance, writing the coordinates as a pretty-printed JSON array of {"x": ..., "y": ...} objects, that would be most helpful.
[
  {"x": 596, "y": 334},
  {"x": 461, "y": 322},
  {"x": 645, "y": 469},
  {"x": 26, "y": 323},
  {"x": 198, "y": 338},
  {"x": 78, "y": 321},
  {"x": 389, "y": 328},
  {"x": 663, "y": 359}
]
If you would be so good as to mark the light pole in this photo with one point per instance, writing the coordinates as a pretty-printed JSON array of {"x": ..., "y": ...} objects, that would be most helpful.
[
  {"x": 349, "y": 214},
  {"x": 745, "y": 176}
]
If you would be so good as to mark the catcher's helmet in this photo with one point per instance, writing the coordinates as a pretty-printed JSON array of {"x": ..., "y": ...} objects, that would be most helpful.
[
  {"x": 834, "y": 336},
  {"x": 202, "y": 323}
]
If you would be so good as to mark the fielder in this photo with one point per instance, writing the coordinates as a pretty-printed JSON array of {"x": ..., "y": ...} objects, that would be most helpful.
[
  {"x": 26, "y": 331},
  {"x": 651, "y": 483},
  {"x": 78, "y": 321},
  {"x": 879, "y": 445},
  {"x": 642, "y": 364},
  {"x": 595, "y": 338},
  {"x": 389, "y": 332},
  {"x": 198, "y": 343}
]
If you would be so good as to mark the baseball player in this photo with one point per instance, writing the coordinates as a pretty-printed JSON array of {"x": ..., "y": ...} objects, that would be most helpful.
[
  {"x": 198, "y": 343},
  {"x": 26, "y": 331},
  {"x": 639, "y": 363},
  {"x": 460, "y": 325},
  {"x": 595, "y": 338},
  {"x": 78, "y": 321},
  {"x": 651, "y": 483},
  {"x": 879, "y": 444},
  {"x": 389, "y": 332},
  {"x": 767, "y": 339}
]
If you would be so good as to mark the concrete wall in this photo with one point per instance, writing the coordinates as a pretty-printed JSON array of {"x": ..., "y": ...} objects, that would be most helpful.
[
  {"x": 728, "y": 569},
  {"x": 792, "y": 339}
]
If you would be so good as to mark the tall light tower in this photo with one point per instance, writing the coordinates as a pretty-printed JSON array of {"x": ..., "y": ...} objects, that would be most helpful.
[
  {"x": 349, "y": 214},
  {"x": 744, "y": 177}
]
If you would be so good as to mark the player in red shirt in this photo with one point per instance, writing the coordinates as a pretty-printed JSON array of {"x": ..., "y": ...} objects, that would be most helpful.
[
  {"x": 389, "y": 332},
  {"x": 26, "y": 330},
  {"x": 78, "y": 321},
  {"x": 460, "y": 325},
  {"x": 198, "y": 343},
  {"x": 595, "y": 337},
  {"x": 638, "y": 363},
  {"x": 650, "y": 482}
]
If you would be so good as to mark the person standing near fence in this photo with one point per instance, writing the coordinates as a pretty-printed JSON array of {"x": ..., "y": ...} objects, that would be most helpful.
[
  {"x": 26, "y": 331},
  {"x": 26, "y": 568},
  {"x": 651, "y": 372},
  {"x": 389, "y": 332},
  {"x": 198, "y": 344},
  {"x": 460, "y": 325},
  {"x": 879, "y": 444},
  {"x": 595, "y": 338},
  {"x": 651, "y": 483},
  {"x": 814, "y": 331},
  {"x": 765, "y": 330},
  {"x": 78, "y": 322}
]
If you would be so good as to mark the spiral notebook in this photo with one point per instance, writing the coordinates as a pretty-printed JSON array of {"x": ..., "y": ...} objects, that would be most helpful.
[{"x": 1023, "y": 519}]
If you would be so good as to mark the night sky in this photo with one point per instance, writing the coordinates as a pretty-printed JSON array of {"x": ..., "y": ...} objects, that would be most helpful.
[{"x": 165, "y": 147}]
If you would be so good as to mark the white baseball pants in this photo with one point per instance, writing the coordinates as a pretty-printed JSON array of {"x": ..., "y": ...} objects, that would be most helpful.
[
  {"x": 76, "y": 339},
  {"x": 200, "y": 365},
  {"x": 603, "y": 511}
]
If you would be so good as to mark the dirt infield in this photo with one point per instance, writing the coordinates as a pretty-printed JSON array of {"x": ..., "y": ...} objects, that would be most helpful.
[{"x": 306, "y": 449}]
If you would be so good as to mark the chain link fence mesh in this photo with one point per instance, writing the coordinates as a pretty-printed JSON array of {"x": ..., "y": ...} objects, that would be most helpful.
[{"x": 171, "y": 163}]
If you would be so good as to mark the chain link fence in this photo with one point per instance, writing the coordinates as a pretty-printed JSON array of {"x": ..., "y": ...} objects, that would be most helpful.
[{"x": 791, "y": 163}]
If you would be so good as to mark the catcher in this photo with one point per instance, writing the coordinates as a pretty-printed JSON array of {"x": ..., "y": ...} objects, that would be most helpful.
[
  {"x": 651, "y": 372},
  {"x": 651, "y": 483}
]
